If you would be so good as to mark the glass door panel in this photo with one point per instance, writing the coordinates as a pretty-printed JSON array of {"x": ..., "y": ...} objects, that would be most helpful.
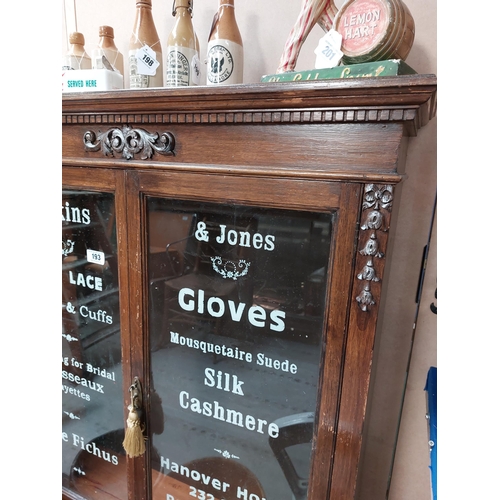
[
  {"x": 93, "y": 460},
  {"x": 236, "y": 312}
]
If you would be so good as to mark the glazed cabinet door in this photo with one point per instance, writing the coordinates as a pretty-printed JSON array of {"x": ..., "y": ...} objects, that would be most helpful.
[
  {"x": 242, "y": 316},
  {"x": 93, "y": 336}
]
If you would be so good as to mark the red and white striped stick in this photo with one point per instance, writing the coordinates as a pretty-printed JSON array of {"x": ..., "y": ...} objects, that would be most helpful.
[
  {"x": 311, "y": 12},
  {"x": 326, "y": 18}
]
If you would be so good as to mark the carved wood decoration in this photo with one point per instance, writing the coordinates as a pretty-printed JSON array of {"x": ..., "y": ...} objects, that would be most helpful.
[
  {"x": 128, "y": 142},
  {"x": 377, "y": 206},
  {"x": 263, "y": 117}
]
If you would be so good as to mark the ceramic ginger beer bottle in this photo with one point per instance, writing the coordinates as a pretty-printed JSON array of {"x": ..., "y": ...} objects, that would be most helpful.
[
  {"x": 225, "y": 47},
  {"x": 109, "y": 49},
  {"x": 182, "y": 62},
  {"x": 76, "y": 57},
  {"x": 145, "y": 55}
]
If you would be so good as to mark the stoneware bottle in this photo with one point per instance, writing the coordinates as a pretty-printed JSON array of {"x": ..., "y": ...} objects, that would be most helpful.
[
  {"x": 182, "y": 61},
  {"x": 76, "y": 57},
  {"x": 225, "y": 47},
  {"x": 145, "y": 65},
  {"x": 195, "y": 35},
  {"x": 109, "y": 49}
]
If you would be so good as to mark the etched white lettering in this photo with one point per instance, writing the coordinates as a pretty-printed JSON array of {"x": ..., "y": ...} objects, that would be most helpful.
[
  {"x": 93, "y": 449},
  {"x": 82, "y": 381},
  {"x": 89, "y": 281},
  {"x": 223, "y": 381},
  {"x": 100, "y": 316},
  {"x": 189, "y": 300},
  {"x": 245, "y": 238},
  {"x": 194, "y": 474},
  {"x": 75, "y": 214},
  {"x": 228, "y": 415}
]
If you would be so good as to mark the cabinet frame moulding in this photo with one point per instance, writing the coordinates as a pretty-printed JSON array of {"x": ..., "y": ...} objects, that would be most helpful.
[
  {"x": 410, "y": 99},
  {"x": 334, "y": 115}
]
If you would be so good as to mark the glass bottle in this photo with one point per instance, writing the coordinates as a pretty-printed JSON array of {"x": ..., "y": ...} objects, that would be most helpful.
[
  {"x": 109, "y": 49},
  {"x": 144, "y": 56},
  {"x": 76, "y": 57},
  {"x": 225, "y": 47},
  {"x": 182, "y": 66}
]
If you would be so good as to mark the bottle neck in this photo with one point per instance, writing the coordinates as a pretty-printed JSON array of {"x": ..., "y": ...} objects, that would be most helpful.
[
  {"x": 182, "y": 11},
  {"x": 106, "y": 42},
  {"x": 226, "y": 9},
  {"x": 78, "y": 51},
  {"x": 182, "y": 7},
  {"x": 144, "y": 31},
  {"x": 183, "y": 17},
  {"x": 77, "y": 48},
  {"x": 182, "y": 34},
  {"x": 143, "y": 11},
  {"x": 224, "y": 25}
]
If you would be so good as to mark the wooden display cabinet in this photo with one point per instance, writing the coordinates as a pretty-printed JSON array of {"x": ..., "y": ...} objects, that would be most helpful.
[{"x": 226, "y": 246}]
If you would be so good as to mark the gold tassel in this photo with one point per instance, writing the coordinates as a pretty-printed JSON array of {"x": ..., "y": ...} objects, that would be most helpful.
[{"x": 134, "y": 440}]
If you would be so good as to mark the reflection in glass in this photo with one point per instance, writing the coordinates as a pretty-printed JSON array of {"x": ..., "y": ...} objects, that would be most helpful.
[
  {"x": 237, "y": 298},
  {"x": 92, "y": 401}
]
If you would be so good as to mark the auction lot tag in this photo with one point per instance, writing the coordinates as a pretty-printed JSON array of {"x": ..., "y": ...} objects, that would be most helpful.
[
  {"x": 328, "y": 53},
  {"x": 146, "y": 61},
  {"x": 95, "y": 257}
]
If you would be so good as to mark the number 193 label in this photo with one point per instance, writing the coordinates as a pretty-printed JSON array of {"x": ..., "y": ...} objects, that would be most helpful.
[{"x": 95, "y": 257}]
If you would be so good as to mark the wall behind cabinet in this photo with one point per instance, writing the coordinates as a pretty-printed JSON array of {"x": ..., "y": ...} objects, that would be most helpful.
[{"x": 264, "y": 28}]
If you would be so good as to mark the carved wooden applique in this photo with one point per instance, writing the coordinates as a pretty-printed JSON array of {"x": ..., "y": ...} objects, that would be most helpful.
[
  {"x": 375, "y": 218},
  {"x": 128, "y": 142}
]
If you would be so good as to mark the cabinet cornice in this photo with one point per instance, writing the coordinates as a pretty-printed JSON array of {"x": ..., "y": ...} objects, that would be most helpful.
[{"x": 404, "y": 99}]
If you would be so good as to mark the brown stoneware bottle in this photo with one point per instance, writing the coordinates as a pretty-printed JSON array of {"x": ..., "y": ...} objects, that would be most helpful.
[
  {"x": 225, "y": 47},
  {"x": 145, "y": 54},
  {"x": 76, "y": 57},
  {"x": 109, "y": 49},
  {"x": 182, "y": 62}
]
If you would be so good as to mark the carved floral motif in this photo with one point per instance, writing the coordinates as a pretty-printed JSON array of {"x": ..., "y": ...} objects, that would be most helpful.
[
  {"x": 376, "y": 201},
  {"x": 365, "y": 298},
  {"x": 378, "y": 197},
  {"x": 368, "y": 272},
  {"x": 128, "y": 142},
  {"x": 371, "y": 247},
  {"x": 374, "y": 220}
]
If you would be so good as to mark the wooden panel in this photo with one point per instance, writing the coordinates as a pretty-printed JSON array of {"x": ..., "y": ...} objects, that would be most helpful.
[
  {"x": 312, "y": 149},
  {"x": 365, "y": 299},
  {"x": 137, "y": 468},
  {"x": 89, "y": 178},
  {"x": 307, "y": 195},
  {"x": 338, "y": 299}
]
